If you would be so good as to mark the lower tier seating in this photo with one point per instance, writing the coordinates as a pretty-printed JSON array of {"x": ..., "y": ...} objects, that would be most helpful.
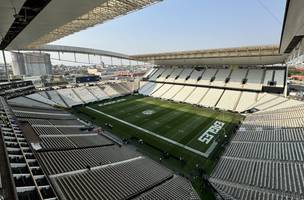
[
  {"x": 75, "y": 141},
  {"x": 183, "y": 94},
  {"x": 119, "y": 181},
  {"x": 176, "y": 188},
  {"x": 98, "y": 93},
  {"x": 265, "y": 158},
  {"x": 56, "y": 161},
  {"x": 70, "y": 97},
  {"x": 85, "y": 95},
  {"x": 229, "y": 100},
  {"x": 212, "y": 97},
  {"x": 196, "y": 95},
  {"x": 34, "y": 101},
  {"x": 82, "y": 164}
]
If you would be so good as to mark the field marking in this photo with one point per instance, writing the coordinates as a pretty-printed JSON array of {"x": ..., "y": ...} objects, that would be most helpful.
[{"x": 206, "y": 155}]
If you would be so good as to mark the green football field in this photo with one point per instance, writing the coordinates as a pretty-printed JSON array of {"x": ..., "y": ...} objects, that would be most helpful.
[{"x": 180, "y": 123}]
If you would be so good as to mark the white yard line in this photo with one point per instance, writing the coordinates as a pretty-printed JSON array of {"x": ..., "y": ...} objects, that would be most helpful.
[{"x": 206, "y": 155}]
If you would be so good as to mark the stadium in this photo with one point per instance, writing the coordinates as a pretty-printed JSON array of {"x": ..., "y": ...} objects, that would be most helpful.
[{"x": 204, "y": 124}]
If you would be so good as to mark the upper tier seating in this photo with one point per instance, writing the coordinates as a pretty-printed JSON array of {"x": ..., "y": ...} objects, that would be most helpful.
[
  {"x": 156, "y": 74},
  {"x": 165, "y": 75},
  {"x": 207, "y": 76},
  {"x": 274, "y": 78},
  {"x": 194, "y": 76},
  {"x": 279, "y": 78},
  {"x": 176, "y": 72},
  {"x": 268, "y": 77},
  {"x": 183, "y": 76},
  {"x": 254, "y": 79},
  {"x": 150, "y": 72},
  {"x": 220, "y": 77},
  {"x": 236, "y": 78}
]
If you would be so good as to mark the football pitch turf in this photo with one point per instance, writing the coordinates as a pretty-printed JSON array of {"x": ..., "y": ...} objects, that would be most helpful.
[{"x": 181, "y": 123}]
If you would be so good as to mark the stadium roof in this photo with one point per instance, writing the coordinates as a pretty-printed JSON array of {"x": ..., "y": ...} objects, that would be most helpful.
[
  {"x": 82, "y": 50},
  {"x": 251, "y": 55},
  {"x": 256, "y": 55},
  {"x": 293, "y": 25},
  {"x": 30, "y": 23}
]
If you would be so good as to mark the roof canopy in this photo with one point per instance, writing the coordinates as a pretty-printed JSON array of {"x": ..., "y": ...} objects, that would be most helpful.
[
  {"x": 31, "y": 23},
  {"x": 293, "y": 27},
  {"x": 253, "y": 55},
  {"x": 82, "y": 50}
]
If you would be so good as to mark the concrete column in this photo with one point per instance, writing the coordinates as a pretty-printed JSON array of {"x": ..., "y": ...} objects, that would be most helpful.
[
  {"x": 5, "y": 66},
  {"x": 286, "y": 86}
]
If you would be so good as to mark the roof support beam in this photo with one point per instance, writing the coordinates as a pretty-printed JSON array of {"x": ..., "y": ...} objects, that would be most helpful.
[{"x": 27, "y": 13}]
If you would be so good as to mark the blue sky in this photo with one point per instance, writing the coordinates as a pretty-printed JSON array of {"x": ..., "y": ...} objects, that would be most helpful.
[{"x": 174, "y": 25}]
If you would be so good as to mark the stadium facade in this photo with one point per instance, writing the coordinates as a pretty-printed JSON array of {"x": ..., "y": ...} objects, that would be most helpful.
[{"x": 31, "y": 64}]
